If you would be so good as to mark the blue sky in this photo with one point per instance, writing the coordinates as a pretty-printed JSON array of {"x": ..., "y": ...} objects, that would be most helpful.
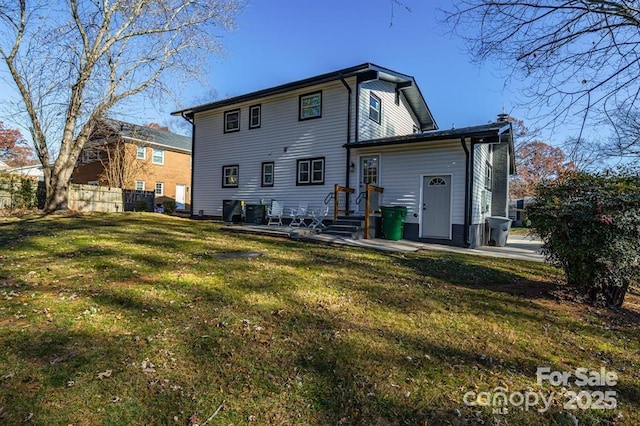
[{"x": 280, "y": 41}]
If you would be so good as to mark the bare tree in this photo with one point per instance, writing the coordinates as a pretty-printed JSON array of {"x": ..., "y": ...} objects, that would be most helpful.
[
  {"x": 579, "y": 57},
  {"x": 73, "y": 61},
  {"x": 625, "y": 142},
  {"x": 120, "y": 164}
]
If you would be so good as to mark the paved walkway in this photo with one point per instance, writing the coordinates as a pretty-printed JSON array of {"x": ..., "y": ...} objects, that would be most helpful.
[{"x": 518, "y": 247}]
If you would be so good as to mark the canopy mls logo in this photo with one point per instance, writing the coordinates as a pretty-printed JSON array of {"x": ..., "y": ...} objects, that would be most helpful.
[{"x": 500, "y": 399}]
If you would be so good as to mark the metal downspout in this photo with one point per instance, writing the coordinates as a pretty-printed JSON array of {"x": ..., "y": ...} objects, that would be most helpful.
[
  {"x": 467, "y": 192},
  {"x": 193, "y": 147},
  {"x": 348, "y": 163}
]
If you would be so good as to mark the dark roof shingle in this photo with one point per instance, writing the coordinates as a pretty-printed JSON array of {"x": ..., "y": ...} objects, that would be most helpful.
[{"x": 149, "y": 135}]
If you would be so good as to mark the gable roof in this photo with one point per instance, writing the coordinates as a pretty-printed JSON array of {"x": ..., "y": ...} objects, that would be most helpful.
[
  {"x": 143, "y": 134},
  {"x": 484, "y": 133},
  {"x": 364, "y": 72}
]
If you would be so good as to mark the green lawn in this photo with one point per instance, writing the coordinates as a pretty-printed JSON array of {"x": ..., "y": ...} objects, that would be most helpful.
[{"x": 126, "y": 319}]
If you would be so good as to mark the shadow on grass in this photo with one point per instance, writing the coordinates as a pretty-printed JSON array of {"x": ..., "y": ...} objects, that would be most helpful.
[{"x": 264, "y": 334}]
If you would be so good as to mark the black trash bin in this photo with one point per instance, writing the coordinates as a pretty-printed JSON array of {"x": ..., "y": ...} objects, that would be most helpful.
[
  {"x": 232, "y": 210},
  {"x": 255, "y": 214}
]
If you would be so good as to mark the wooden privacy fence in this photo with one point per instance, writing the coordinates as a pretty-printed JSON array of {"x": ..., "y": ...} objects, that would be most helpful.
[
  {"x": 91, "y": 198},
  {"x": 24, "y": 192}
]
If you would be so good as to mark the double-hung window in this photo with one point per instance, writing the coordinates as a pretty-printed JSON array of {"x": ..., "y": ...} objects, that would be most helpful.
[
  {"x": 141, "y": 153},
  {"x": 159, "y": 188},
  {"x": 488, "y": 175},
  {"x": 90, "y": 155},
  {"x": 140, "y": 185},
  {"x": 158, "y": 156},
  {"x": 375, "y": 108},
  {"x": 310, "y": 106},
  {"x": 310, "y": 171},
  {"x": 254, "y": 116},
  {"x": 232, "y": 121},
  {"x": 230, "y": 176},
  {"x": 267, "y": 174}
]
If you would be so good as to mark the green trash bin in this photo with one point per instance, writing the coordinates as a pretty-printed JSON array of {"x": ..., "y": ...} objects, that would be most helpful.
[{"x": 393, "y": 222}]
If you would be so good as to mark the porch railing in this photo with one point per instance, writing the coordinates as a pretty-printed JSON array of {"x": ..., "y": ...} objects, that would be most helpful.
[
  {"x": 341, "y": 200},
  {"x": 373, "y": 199}
]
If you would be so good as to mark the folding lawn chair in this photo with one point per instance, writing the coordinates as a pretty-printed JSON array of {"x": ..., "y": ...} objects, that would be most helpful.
[{"x": 274, "y": 213}]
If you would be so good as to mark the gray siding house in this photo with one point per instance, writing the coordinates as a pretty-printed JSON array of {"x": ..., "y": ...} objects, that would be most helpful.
[{"x": 361, "y": 125}]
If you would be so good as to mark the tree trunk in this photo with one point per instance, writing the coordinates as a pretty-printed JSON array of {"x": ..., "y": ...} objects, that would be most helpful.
[{"x": 57, "y": 187}]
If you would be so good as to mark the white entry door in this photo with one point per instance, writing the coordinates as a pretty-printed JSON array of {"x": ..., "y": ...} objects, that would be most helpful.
[
  {"x": 436, "y": 207},
  {"x": 369, "y": 174},
  {"x": 181, "y": 192}
]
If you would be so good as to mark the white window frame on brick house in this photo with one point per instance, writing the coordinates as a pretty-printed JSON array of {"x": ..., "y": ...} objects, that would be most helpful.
[
  {"x": 141, "y": 152},
  {"x": 158, "y": 153}
]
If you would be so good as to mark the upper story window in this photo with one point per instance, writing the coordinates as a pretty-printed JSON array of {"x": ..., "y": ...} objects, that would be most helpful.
[
  {"x": 158, "y": 156},
  {"x": 230, "y": 176},
  {"x": 310, "y": 106},
  {"x": 310, "y": 172},
  {"x": 254, "y": 116},
  {"x": 141, "y": 153},
  {"x": 375, "y": 107},
  {"x": 90, "y": 155},
  {"x": 232, "y": 121}
]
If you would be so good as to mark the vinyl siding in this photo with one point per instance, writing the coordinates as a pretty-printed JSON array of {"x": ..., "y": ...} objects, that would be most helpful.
[
  {"x": 482, "y": 156},
  {"x": 281, "y": 139},
  {"x": 395, "y": 119},
  {"x": 402, "y": 168}
]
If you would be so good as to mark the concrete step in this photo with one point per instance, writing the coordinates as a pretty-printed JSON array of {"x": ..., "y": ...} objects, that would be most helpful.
[
  {"x": 346, "y": 227},
  {"x": 354, "y": 235},
  {"x": 349, "y": 222},
  {"x": 340, "y": 227}
]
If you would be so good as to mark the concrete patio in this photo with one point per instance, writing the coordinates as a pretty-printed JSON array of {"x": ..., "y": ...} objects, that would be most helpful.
[{"x": 518, "y": 247}]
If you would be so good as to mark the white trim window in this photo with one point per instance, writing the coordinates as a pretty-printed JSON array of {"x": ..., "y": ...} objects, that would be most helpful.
[
  {"x": 310, "y": 171},
  {"x": 141, "y": 152},
  {"x": 158, "y": 156},
  {"x": 310, "y": 106},
  {"x": 159, "y": 188},
  {"x": 90, "y": 155},
  {"x": 375, "y": 108},
  {"x": 267, "y": 173},
  {"x": 232, "y": 121},
  {"x": 255, "y": 119},
  {"x": 488, "y": 175},
  {"x": 230, "y": 176},
  {"x": 140, "y": 185}
]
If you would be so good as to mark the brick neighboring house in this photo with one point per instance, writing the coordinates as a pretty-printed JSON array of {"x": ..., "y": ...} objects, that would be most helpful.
[{"x": 130, "y": 156}]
